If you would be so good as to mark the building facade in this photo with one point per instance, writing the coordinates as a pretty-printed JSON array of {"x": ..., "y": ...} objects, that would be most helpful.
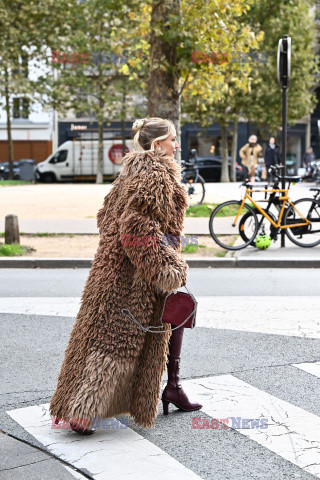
[{"x": 31, "y": 125}]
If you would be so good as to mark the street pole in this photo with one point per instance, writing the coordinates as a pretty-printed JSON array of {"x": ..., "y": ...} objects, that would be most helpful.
[
  {"x": 284, "y": 72},
  {"x": 284, "y": 149}
]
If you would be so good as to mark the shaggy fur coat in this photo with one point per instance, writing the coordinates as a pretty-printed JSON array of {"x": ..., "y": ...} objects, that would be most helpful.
[{"x": 111, "y": 366}]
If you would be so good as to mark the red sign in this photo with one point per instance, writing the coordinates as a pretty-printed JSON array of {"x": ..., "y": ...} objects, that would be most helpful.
[{"x": 115, "y": 153}]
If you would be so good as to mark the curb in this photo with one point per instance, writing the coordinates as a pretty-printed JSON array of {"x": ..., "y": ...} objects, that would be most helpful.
[{"x": 27, "y": 262}]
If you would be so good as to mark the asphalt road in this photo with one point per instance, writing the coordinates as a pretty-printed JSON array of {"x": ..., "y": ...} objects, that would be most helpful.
[
  {"x": 226, "y": 282},
  {"x": 257, "y": 335}
]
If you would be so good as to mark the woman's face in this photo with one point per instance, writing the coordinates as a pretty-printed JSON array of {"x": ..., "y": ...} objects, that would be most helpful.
[{"x": 169, "y": 145}]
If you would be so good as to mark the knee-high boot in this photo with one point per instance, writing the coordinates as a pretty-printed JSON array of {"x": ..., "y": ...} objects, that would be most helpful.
[{"x": 173, "y": 392}]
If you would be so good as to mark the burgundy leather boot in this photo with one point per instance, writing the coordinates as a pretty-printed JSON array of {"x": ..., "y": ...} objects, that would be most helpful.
[{"x": 173, "y": 392}]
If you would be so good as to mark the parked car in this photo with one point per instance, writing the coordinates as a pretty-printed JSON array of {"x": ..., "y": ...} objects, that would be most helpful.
[
  {"x": 210, "y": 168},
  {"x": 4, "y": 171}
]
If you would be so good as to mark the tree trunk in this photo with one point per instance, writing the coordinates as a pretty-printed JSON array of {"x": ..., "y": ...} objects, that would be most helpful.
[
  {"x": 7, "y": 108},
  {"x": 123, "y": 119},
  {"x": 234, "y": 150},
  {"x": 99, "y": 178},
  {"x": 164, "y": 80},
  {"x": 224, "y": 154}
]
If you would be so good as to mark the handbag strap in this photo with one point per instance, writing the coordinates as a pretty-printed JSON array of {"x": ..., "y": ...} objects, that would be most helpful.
[{"x": 153, "y": 328}]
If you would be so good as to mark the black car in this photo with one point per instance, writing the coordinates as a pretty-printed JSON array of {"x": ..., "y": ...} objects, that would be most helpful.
[
  {"x": 210, "y": 168},
  {"x": 4, "y": 171}
]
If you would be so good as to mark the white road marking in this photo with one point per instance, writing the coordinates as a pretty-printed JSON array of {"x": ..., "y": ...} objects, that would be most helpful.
[
  {"x": 313, "y": 368},
  {"x": 52, "y": 306},
  {"x": 291, "y": 316},
  {"x": 292, "y": 433},
  {"x": 109, "y": 454}
]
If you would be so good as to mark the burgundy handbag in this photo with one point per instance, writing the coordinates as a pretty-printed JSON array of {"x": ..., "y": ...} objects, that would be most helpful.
[{"x": 179, "y": 309}]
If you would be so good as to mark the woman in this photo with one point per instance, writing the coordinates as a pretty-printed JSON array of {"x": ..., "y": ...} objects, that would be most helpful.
[
  {"x": 111, "y": 366},
  {"x": 249, "y": 154},
  {"x": 271, "y": 157}
]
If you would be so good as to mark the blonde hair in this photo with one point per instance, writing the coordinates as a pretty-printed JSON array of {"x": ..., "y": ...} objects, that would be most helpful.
[{"x": 150, "y": 130}]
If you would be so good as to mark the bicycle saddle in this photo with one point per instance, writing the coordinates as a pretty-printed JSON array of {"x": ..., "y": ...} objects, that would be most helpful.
[
  {"x": 290, "y": 179},
  {"x": 314, "y": 189}
]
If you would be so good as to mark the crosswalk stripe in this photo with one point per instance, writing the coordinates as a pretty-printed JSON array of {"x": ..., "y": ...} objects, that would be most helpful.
[
  {"x": 292, "y": 432},
  {"x": 248, "y": 314},
  {"x": 52, "y": 306},
  {"x": 313, "y": 368},
  {"x": 291, "y": 316},
  {"x": 110, "y": 454}
]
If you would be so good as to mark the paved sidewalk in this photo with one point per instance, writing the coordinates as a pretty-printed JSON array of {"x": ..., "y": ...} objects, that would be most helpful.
[
  {"x": 19, "y": 460},
  {"x": 291, "y": 256},
  {"x": 193, "y": 226}
]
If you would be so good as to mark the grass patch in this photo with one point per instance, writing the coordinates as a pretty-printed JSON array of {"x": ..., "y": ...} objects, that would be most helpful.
[
  {"x": 8, "y": 183},
  {"x": 11, "y": 249},
  {"x": 192, "y": 248},
  {"x": 203, "y": 210},
  {"x": 221, "y": 254},
  {"x": 228, "y": 211},
  {"x": 45, "y": 234}
]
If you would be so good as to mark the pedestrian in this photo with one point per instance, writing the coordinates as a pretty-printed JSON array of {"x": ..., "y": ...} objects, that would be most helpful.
[
  {"x": 271, "y": 156},
  {"x": 111, "y": 366},
  {"x": 249, "y": 154},
  {"x": 308, "y": 157}
]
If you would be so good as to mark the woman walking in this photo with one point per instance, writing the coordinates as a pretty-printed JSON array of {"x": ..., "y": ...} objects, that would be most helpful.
[{"x": 111, "y": 366}]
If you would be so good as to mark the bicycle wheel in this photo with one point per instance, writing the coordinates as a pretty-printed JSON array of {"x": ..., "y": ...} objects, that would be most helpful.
[
  {"x": 306, "y": 235},
  {"x": 196, "y": 190},
  {"x": 265, "y": 224},
  {"x": 225, "y": 225}
]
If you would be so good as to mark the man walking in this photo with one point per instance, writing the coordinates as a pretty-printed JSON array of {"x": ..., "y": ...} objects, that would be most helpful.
[
  {"x": 272, "y": 156},
  {"x": 249, "y": 154}
]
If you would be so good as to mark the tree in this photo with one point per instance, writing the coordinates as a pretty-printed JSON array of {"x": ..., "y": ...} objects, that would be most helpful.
[
  {"x": 179, "y": 31},
  {"x": 92, "y": 68},
  {"x": 217, "y": 91},
  {"x": 24, "y": 34},
  {"x": 258, "y": 95},
  {"x": 277, "y": 18}
]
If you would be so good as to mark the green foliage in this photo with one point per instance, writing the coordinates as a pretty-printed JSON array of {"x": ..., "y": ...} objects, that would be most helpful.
[
  {"x": 9, "y": 183},
  {"x": 192, "y": 248},
  {"x": 276, "y": 18},
  {"x": 11, "y": 249},
  {"x": 203, "y": 210},
  {"x": 221, "y": 93}
]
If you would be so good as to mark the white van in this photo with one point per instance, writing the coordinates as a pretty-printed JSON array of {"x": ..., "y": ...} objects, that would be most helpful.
[{"x": 78, "y": 160}]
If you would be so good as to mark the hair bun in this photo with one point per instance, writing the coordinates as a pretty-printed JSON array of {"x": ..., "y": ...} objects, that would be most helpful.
[{"x": 138, "y": 124}]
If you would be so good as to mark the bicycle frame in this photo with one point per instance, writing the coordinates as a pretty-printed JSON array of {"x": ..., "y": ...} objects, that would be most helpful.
[
  {"x": 194, "y": 171},
  {"x": 285, "y": 199}
]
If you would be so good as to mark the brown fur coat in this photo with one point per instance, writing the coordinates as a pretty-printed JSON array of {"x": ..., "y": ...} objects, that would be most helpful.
[{"x": 111, "y": 366}]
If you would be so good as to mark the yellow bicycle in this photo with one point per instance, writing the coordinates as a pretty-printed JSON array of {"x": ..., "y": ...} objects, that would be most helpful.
[{"x": 235, "y": 224}]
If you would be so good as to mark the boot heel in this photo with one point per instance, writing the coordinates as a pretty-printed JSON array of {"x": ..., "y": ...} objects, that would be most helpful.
[{"x": 165, "y": 405}]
